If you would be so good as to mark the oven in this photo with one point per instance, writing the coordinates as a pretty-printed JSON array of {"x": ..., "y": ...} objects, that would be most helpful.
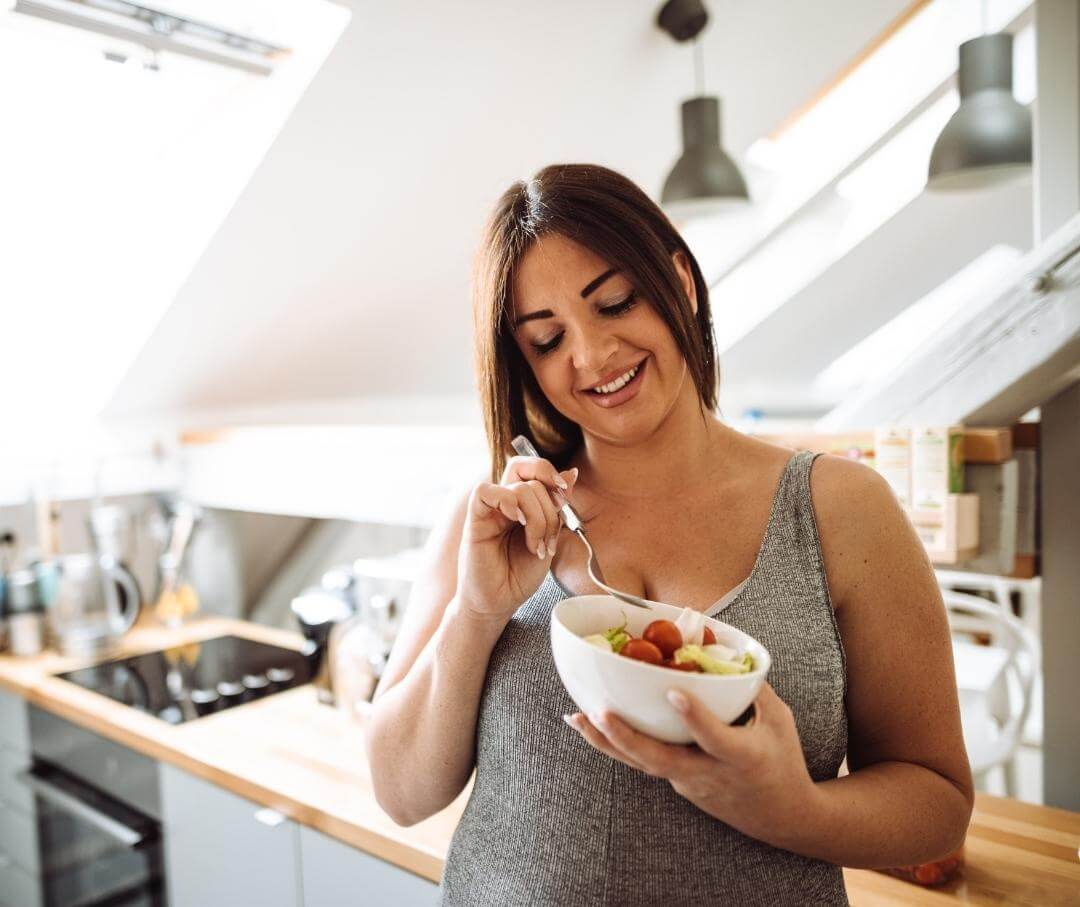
[{"x": 98, "y": 818}]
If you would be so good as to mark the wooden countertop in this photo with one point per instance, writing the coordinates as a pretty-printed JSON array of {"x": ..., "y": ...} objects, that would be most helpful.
[
  {"x": 307, "y": 761},
  {"x": 288, "y": 752}
]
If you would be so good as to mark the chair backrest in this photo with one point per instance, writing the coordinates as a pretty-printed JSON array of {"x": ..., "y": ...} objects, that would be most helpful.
[
  {"x": 997, "y": 586},
  {"x": 975, "y": 615}
]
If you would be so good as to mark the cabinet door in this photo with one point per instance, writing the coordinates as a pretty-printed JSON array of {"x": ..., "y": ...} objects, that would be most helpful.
[
  {"x": 19, "y": 885},
  {"x": 14, "y": 730},
  {"x": 221, "y": 849},
  {"x": 337, "y": 875}
]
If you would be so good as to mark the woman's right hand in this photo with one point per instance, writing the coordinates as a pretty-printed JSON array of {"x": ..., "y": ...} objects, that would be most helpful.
[{"x": 510, "y": 534}]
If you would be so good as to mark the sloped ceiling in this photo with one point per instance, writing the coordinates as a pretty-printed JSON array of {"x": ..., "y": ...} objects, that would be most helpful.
[
  {"x": 772, "y": 368},
  {"x": 343, "y": 269}
]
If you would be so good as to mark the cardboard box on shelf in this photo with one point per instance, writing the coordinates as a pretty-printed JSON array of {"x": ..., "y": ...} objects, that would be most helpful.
[
  {"x": 951, "y": 534},
  {"x": 937, "y": 467},
  {"x": 987, "y": 445}
]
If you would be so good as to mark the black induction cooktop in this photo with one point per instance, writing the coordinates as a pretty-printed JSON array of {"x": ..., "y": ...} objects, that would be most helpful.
[{"x": 187, "y": 682}]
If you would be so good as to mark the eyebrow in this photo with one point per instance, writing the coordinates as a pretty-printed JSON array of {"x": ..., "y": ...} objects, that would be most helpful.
[{"x": 590, "y": 287}]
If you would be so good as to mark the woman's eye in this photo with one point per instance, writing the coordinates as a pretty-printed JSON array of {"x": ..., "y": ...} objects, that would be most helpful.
[
  {"x": 611, "y": 311},
  {"x": 542, "y": 348}
]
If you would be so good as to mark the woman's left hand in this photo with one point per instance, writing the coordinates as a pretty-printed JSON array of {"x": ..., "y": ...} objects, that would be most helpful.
[{"x": 752, "y": 777}]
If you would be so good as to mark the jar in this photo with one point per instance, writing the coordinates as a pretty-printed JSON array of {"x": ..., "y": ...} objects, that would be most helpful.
[{"x": 26, "y": 623}]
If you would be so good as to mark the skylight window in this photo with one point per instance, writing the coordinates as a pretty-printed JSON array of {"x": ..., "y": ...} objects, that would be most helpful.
[{"x": 117, "y": 167}]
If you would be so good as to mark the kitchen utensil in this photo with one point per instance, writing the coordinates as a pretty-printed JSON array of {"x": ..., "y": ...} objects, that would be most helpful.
[
  {"x": 573, "y": 522},
  {"x": 635, "y": 691},
  {"x": 176, "y": 600}
]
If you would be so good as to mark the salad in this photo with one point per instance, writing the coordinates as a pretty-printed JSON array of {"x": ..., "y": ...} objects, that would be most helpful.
[{"x": 685, "y": 645}]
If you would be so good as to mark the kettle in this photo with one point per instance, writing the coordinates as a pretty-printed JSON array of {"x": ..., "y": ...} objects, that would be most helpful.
[{"x": 92, "y": 601}]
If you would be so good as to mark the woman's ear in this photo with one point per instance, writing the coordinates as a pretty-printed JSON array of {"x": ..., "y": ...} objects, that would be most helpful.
[{"x": 686, "y": 275}]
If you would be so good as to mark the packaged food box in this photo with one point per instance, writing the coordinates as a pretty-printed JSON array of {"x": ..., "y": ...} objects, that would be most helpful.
[
  {"x": 892, "y": 458},
  {"x": 937, "y": 465}
]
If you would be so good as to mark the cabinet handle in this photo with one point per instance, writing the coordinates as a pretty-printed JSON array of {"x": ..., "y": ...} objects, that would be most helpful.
[{"x": 271, "y": 818}]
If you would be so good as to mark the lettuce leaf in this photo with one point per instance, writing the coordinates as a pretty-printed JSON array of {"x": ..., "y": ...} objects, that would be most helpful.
[{"x": 713, "y": 662}]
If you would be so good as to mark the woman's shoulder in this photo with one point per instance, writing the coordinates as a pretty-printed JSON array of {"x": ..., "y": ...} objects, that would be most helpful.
[{"x": 862, "y": 528}]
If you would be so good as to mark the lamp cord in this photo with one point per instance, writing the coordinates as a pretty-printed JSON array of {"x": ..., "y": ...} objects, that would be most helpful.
[{"x": 699, "y": 67}]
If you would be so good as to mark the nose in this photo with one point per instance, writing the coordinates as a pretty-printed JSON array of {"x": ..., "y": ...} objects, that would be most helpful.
[{"x": 593, "y": 350}]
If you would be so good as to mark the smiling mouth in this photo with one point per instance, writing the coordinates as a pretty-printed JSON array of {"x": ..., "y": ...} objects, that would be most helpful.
[{"x": 612, "y": 387}]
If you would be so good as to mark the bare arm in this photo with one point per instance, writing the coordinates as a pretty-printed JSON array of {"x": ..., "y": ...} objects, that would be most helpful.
[
  {"x": 909, "y": 796},
  {"x": 423, "y": 720},
  {"x": 481, "y": 562}
]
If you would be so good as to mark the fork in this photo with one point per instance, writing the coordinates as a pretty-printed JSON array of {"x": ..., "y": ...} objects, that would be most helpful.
[{"x": 572, "y": 521}]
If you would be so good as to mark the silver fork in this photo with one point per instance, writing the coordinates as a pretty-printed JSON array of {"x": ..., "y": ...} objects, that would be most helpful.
[{"x": 572, "y": 521}]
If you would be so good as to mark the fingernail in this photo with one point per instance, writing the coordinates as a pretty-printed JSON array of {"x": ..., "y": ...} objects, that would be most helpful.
[
  {"x": 569, "y": 719},
  {"x": 541, "y": 552},
  {"x": 521, "y": 517},
  {"x": 574, "y": 473},
  {"x": 551, "y": 545},
  {"x": 678, "y": 701},
  {"x": 560, "y": 481}
]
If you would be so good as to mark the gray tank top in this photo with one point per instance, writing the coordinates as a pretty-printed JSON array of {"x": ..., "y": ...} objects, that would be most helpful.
[{"x": 552, "y": 821}]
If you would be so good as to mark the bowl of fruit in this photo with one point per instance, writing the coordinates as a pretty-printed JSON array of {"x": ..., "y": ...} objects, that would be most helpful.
[{"x": 619, "y": 657}]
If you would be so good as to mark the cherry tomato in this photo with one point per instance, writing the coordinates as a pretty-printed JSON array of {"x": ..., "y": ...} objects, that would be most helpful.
[
  {"x": 708, "y": 637},
  {"x": 685, "y": 666},
  {"x": 642, "y": 650},
  {"x": 664, "y": 635}
]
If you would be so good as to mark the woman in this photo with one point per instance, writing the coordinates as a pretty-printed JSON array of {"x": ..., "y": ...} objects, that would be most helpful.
[{"x": 595, "y": 339}]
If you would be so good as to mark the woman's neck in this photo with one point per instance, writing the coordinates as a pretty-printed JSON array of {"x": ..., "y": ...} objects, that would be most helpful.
[{"x": 682, "y": 451}]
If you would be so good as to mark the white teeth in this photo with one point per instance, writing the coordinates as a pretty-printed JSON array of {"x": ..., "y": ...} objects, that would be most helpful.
[{"x": 617, "y": 383}]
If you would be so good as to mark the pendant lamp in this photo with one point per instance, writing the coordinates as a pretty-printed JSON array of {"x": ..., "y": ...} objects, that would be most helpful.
[
  {"x": 704, "y": 180},
  {"x": 988, "y": 140}
]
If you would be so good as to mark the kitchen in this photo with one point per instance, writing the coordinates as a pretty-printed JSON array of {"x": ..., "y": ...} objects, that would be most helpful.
[{"x": 260, "y": 213}]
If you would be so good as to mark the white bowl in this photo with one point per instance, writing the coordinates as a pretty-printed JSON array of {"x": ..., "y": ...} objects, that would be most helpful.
[{"x": 635, "y": 691}]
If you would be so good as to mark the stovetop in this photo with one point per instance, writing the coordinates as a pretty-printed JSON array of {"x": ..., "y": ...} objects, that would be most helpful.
[{"x": 187, "y": 682}]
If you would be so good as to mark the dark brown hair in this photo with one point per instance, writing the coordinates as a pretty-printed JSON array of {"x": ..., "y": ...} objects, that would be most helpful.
[{"x": 608, "y": 214}]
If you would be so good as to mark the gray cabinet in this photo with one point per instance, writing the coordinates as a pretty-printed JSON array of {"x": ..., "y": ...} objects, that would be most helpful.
[
  {"x": 18, "y": 835},
  {"x": 221, "y": 849},
  {"x": 337, "y": 875}
]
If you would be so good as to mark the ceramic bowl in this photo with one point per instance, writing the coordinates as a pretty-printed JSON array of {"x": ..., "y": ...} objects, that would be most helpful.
[{"x": 635, "y": 691}]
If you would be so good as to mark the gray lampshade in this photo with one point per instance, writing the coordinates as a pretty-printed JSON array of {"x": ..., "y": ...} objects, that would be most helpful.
[
  {"x": 705, "y": 179},
  {"x": 988, "y": 140}
]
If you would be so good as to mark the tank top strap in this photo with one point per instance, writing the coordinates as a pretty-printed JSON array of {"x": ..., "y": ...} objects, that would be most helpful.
[
  {"x": 791, "y": 540},
  {"x": 793, "y": 569}
]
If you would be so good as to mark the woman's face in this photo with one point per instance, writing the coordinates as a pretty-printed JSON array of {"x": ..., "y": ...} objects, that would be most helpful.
[{"x": 581, "y": 325}]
